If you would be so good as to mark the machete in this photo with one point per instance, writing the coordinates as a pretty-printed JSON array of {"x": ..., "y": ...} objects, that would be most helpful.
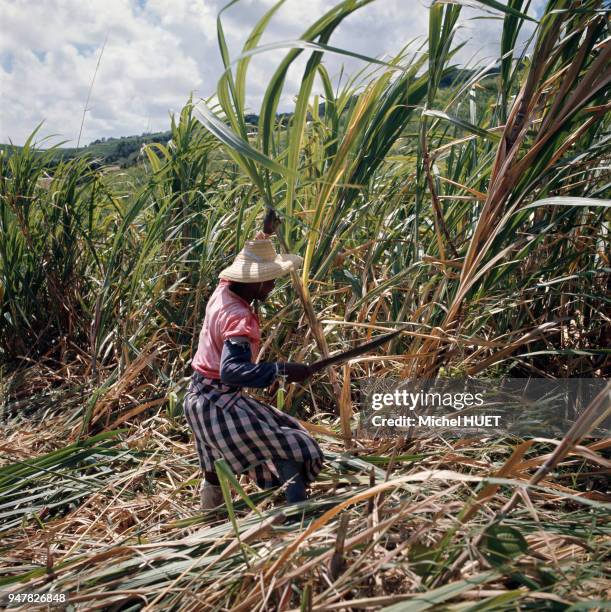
[{"x": 354, "y": 352}]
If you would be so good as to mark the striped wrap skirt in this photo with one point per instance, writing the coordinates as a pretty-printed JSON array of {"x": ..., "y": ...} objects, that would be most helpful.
[{"x": 248, "y": 434}]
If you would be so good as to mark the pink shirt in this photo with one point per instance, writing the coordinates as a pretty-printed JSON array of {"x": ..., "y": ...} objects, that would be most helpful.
[{"x": 227, "y": 316}]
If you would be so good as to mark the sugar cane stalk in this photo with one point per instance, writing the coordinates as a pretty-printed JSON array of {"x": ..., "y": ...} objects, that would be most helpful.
[{"x": 272, "y": 225}]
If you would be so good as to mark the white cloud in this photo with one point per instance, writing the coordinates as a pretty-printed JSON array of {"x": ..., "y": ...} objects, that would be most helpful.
[
  {"x": 53, "y": 50},
  {"x": 158, "y": 51}
]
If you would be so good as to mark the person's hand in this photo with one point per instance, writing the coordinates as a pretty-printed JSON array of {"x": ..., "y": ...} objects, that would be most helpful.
[
  {"x": 271, "y": 222},
  {"x": 295, "y": 372}
]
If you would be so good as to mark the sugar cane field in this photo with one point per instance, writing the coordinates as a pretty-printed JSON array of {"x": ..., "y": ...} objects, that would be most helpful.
[{"x": 468, "y": 206}]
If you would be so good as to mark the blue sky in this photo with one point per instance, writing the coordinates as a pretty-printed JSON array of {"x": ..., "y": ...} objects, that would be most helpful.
[{"x": 158, "y": 51}]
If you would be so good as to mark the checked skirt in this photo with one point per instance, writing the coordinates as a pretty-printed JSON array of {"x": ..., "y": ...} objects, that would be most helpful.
[{"x": 247, "y": 433}]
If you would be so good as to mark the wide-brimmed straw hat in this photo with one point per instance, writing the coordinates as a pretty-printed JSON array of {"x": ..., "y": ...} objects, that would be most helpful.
[{"x": 258, "y": 262}]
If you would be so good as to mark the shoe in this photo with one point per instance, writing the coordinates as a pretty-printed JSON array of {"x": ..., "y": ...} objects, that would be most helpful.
[{"x": 211, "y": 496}]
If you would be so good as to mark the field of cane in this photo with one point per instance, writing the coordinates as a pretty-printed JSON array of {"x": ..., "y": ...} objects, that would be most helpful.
[{"x": 471, "y": 205}]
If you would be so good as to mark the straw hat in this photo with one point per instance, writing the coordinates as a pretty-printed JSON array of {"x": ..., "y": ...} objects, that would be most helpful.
[{"x": 258, "y": 262}]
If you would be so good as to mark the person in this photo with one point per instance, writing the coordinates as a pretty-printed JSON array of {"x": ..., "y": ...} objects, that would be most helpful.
[{"x": 272, "y": 447}]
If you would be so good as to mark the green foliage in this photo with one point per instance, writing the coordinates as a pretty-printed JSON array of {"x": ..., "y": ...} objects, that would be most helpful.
[
  {"x": 459, "y": 200},
  {"x": 502, "y": 544}
]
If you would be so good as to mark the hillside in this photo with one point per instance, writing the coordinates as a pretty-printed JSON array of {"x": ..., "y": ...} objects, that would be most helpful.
[{"x": 121, "y": 151}]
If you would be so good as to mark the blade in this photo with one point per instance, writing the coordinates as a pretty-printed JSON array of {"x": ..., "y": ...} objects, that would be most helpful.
[{"x": 355, "y": 352}]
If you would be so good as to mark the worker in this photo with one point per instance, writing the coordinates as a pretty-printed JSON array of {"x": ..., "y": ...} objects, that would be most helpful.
[{"x": 272, "y": 447}]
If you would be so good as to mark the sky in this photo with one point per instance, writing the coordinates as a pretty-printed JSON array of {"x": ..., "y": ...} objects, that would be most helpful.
[{"x": 153, "y": 53}]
